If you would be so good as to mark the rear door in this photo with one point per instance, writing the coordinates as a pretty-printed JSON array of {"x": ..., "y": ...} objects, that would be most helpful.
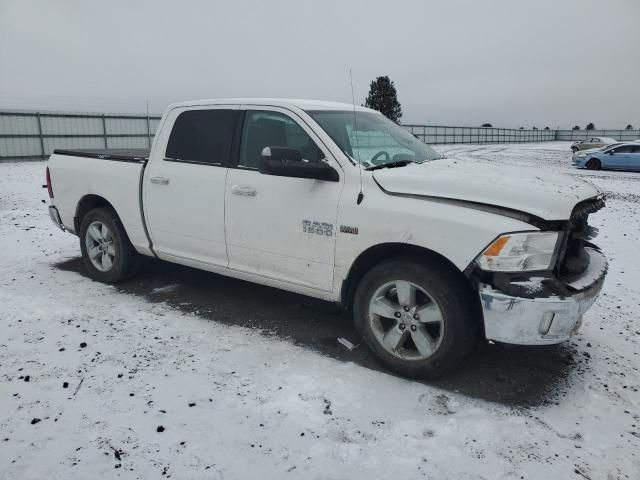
[
  {"x": 184, "y": 184},
  {"x": 634, "y": 158},
  {"x": 280, "y": 227}
]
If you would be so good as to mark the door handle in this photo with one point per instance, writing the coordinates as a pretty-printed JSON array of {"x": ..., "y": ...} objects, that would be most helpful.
[
  {"x": 160, "y": 180},
  {"x": 244, "y": 190}
]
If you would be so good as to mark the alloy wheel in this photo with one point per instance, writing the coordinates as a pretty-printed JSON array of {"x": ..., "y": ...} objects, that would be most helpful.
[
  {"x": 405, "y": 320},
  {"x": 100, "y": 246}
]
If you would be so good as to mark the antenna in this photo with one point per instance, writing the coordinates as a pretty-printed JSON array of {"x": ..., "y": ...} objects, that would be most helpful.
[{"x": 355, "y": 130}]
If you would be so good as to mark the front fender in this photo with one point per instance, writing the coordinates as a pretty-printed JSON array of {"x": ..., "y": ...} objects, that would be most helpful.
[{"x": 454, "y": 232}]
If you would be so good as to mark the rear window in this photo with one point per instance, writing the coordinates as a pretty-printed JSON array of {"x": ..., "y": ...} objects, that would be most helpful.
[{"x": 202, "y": 136}]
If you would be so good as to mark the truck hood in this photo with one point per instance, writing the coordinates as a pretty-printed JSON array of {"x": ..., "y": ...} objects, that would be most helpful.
[{"x": 524, "y": 189}]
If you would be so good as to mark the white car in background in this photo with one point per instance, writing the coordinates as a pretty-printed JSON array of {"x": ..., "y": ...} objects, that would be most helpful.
[
  {"x": 584, "y": 153},
  {"x": 592, "y": 142}
]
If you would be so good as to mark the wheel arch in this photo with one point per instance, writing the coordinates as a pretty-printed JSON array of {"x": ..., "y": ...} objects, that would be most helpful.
[
  {"x": 372, "y": 256},
  {"x": 595, "y": 160},
  {"x": 88, "y": 203}
]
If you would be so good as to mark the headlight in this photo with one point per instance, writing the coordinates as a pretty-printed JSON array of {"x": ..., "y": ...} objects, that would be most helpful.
[{"x": 520, "y": 252}]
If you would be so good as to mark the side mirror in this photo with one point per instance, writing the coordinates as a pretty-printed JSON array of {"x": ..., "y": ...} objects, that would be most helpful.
[{"x": 288, "y": 162}]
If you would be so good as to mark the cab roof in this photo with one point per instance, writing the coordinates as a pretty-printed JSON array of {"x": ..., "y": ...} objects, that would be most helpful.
[{"x": 274, "y": 102}]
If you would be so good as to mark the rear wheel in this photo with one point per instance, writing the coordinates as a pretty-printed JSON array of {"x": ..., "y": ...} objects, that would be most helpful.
[
  {"x": 107, "y": 253},
  {"x": 593, "y": 164},
  {"x": 417, "y": 319}
]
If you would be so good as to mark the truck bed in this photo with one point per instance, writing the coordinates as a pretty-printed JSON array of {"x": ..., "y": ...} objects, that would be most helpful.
[
  {"x": 137, "y": 155},
  {"x": 114, "y": 175}
]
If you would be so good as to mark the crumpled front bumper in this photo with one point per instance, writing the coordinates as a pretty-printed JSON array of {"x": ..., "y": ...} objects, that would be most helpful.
[{"x": 542, "y": 321}]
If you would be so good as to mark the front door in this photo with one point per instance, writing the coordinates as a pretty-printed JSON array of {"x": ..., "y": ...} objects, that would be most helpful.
[
  {"x": 280, "y": 227},
  {"x": 620, "y": 158},
  {"x": 184, "y": 185},
  {"x": 589, "y": 144}
]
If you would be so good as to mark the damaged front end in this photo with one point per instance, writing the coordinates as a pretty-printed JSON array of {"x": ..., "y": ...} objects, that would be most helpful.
[{"x": 545, "y": 306}]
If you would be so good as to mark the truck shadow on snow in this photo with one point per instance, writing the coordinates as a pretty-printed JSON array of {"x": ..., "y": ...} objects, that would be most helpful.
[{"x": 511, "y": 375}]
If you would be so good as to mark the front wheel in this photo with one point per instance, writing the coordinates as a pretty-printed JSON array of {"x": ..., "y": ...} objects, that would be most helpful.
[
  {"x": 593, "y": 164},
  {"x": 107, "y": 253},
  {"x": 417, "y": 318}
]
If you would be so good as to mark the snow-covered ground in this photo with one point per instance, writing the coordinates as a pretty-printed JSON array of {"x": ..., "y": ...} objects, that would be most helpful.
[{"x": 90, "y": 373}]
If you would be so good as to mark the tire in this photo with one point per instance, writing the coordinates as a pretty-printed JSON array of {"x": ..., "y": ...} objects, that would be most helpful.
[
  {"x": 440, "y": 294},
  {"x": 593, "y": 164},
  {"x": 115, "y": 258}
]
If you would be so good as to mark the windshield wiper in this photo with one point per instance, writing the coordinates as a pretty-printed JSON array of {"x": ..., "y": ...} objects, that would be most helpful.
[{"x": 397, "y": 163}]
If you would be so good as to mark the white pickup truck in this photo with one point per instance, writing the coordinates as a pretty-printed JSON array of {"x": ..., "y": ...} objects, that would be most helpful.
[{"x": 338, "y": 203}]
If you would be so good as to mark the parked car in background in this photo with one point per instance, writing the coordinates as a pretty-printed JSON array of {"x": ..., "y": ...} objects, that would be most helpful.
[
  {"x": 584, "y": 153},
  {"x": 620, "y": 156},
  {"x": 592, "y": 142}
]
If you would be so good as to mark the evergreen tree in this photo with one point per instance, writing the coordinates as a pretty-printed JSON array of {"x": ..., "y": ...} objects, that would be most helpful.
[
  {"x": 384, "y": 98},
  {"x": 546, "y": 128},
  {"x": 629, "y": 127},
  {"x": 487, "y": 125},
  {"x": 577, "y": 127},
  {"x": 591, "y": 126}
]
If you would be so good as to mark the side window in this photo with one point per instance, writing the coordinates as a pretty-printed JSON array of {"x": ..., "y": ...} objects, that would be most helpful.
[
  {"x": 202, "y": 136},
  {"x": 635, "y": 149},
  {"x": 272, "y": 129},
  {"x": 625, "y": 149}
]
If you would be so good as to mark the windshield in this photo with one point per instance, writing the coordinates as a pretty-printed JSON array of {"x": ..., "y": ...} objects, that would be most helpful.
[{"x": 374, "y": 140}]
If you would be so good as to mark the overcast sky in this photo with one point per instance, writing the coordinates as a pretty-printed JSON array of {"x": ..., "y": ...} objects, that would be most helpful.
[{"x": 511, "y": 63}]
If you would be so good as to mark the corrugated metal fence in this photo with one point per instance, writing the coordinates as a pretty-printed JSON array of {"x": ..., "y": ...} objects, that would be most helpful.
[
  {"x": 28, "y": 135},
  {"x": 439, "y": 134},
  {"x": 434, "y": 135},
  {"x": 622, "y": 135}
]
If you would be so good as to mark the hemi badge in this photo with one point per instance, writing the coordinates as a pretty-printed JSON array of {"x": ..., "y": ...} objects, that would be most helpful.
[{"x": 347, "y": 229}]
